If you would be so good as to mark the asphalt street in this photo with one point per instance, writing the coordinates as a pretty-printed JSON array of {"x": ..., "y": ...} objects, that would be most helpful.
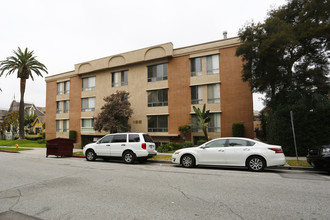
[{"x": 35, "y": 187}]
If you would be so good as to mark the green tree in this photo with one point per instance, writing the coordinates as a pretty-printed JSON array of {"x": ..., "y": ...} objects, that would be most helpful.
[
  {"x": 29, "y": 119},
  {"x": 25, "y": 63},
  {"x": 115, "y": 113},
  {"x": 11, "y": 122},
  {"x": 287, "y": 56},
  {"x": 184, "y": 130},
  {"x": 203, "y": 118}
]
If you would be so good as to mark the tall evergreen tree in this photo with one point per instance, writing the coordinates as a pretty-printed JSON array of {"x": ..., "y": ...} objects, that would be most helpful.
[
  {"x": 25, "y": 64},
  {"x": 287, "y": 56}
]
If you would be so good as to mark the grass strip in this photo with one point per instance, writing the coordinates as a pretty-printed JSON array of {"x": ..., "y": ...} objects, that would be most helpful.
[
  {"x": 302, "y": 163},
  {"x": 14, "y": 149},
  {"x": 21, "y": 143},
  {"x": 80, "y": 153}
]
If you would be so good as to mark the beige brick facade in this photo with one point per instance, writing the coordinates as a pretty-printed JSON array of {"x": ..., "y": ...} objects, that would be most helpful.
[{"x": 235, "y": 103}]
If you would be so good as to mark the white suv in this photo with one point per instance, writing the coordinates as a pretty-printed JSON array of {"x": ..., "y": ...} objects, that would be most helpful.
[{"x": 129, "y": 146}]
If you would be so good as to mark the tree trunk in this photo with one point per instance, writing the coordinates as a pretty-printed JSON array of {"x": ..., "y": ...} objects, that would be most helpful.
[{"x": 21, "y": 110}]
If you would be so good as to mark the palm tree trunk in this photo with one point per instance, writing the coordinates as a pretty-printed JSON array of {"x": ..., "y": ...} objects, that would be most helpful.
[{"x": 21, "y": 110}]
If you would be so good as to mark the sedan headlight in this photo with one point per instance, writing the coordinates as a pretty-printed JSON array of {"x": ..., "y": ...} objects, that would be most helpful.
[
  {"x": 326, "y": 150},
  {"x": 177, "y": 152}
]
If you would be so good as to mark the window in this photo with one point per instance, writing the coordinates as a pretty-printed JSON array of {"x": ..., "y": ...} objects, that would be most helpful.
[
  {"x": 157, "y": 72},
  {"x": 65, "y": 125},
  {"x": 214, "y": 124},
  {"x": 158, "y": 123},
  {"x": 106, "y": 139},
  {"x": 237, "y": 143},
  {"x": 87, "y": 125},
  {"x": 196, "y": 94},
  {"x": 196, "y": 125},
  {"x": 119, "y": 138},
  {"x": 114, "y": 79},
  {"x": 212, "y": 64},
  {"x": 134, "y": 138},
  {"x": 217, "y": 143},
  {"x": 147, "y": 138},
  {"x": 66, "y": 106},
  {"x": 59, "y": 89},
  {"x": 58, "y": 126},
  {"x": 88, "y": 104},
  {"x": 196, "y": 66},
  {"x": 59, "y": 107},
  {"x": 124, "y": 78},
  {"x": 66, "y": 87},
  {"x": 88, "y": 84},
  {"x": 213, "y": 93},
  {"x": 158, "y": 98}
]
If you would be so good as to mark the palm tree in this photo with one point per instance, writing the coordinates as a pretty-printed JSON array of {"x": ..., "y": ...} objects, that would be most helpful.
[
  {"x": 25, "y": 64},
  {"x": 204, "y": 119}
]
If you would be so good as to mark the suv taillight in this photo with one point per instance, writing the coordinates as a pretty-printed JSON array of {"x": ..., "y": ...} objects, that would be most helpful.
[
  {"x": 144, "y": 146},
  {"x": 277, "y": 150}
]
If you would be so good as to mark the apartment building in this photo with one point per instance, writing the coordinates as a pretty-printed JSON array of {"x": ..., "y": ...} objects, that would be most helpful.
[{"x": 164, "y": 84}]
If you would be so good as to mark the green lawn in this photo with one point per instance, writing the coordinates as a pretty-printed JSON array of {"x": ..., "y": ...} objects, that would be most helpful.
[
  {"x": 21, "y": 143},
  {"x": 14, "y": 149},
  {"x": 162, "y": 157},
  {"x": 78, "y": 153}
]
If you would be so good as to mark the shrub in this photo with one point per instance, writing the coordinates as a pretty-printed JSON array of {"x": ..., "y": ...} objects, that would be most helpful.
[
  {"x": 238, "y": 129},
  {"x": 187, "y": 144},
  {"x": 176, "y": 146},
  {"x": 73, "y": 135},
  {"x": 42, "y": 141},
  {"x": 200, "y": 142},
  {"x": 43, "y": 135},
  {"x": 33, "y": 138},
  {"x": 164, "y": 148}
]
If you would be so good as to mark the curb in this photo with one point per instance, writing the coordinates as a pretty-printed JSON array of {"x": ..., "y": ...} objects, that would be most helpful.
[{"x": 8, "y": 151}]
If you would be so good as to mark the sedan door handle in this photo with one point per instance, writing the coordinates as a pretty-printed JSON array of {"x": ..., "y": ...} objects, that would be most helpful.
[
  {"x": 108, "y": 145},
  {"x": 221, "y": 150},
  {"x": 123, "y": 145},
  {"x": 246, "y": 149}
]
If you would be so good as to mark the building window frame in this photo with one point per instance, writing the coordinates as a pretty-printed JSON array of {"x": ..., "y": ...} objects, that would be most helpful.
[
  {"x": 158, "y": 72},
  {"x": 215, "y": 122},
  {"x": 124, "y": 78},
  {"x": 88, "y": 104},
  {"x": 213, "y": 93},
  {"x": 88, "y": 83},
  {"x": 196, "y": 94},
  {"x": 87, "y": 125},
  {"x": 196, "y": 66},
  {"x": 158, "y": 123},
  {"x": 59, "y": 88},
  {"x": 59, "y": 107},
  {"x": 115, "y": 79},
  {"x": 212, "y": 64},
  {"x": 66, "y": 106},
  {"x": 66, "y": 85},
  {"x": 158, "y": 98}
]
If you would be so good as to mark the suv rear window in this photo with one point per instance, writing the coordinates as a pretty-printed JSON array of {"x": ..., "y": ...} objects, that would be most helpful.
[
  {"x": 134, "y": 138},
  {"x": 147, "y": 138}
]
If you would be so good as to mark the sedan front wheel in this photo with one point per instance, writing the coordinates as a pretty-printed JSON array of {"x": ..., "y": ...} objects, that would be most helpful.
[{"x": 188, "y": 161}]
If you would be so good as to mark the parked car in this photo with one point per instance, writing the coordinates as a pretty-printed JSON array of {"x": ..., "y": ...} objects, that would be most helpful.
[
  {"x": 128, "y": 146},
  {"x": 232, "y": 151},
  {"x": 319, "y": 157}
]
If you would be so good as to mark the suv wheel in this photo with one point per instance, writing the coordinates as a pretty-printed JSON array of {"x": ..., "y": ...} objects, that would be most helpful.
[
  {"x": 90, "y": 155},
  {"x": 128, "y": 157}
]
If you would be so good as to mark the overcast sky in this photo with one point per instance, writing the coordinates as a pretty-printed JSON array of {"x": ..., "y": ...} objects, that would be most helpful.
[{"x": 66, "y": 32}]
